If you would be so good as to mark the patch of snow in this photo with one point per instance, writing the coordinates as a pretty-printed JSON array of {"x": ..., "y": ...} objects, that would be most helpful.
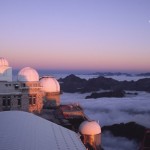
[{"x": 25, "y": 131}]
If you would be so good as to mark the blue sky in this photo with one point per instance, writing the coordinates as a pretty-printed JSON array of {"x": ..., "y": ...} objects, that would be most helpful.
[{"x": 76, "y": 34}]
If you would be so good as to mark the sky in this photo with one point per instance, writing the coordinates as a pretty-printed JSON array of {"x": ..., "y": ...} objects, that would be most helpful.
[{"x": 102, "y": 35}]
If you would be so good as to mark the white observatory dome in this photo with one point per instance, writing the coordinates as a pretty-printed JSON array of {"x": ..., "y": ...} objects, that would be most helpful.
[
  {"x": 89, "y": 128},
  {"x": 28, "y": 74},
  {"x": 3, "y": 62},
  {"x": 49, "y": 84}
]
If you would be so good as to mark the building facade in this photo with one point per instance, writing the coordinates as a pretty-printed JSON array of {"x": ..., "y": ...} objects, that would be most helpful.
[
  {"x": 27, "y": 93},
  {"x": 26, "y": 96},
  {"x": 51, "y": 90}
]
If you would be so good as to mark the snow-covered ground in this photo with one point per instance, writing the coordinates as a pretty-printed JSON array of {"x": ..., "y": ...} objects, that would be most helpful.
[{"x": 25, "y": 131}]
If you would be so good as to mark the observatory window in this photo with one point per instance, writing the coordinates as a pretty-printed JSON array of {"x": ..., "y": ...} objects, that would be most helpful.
[
  {"x": 19, "y": 101},
  {"x": 30, "y": 100},
  {"x": 16, "y": 86},
  {"x": 4, "y": 102},
  {"x": 34, "y": 100},
  {"x": 8, "y": 101}
]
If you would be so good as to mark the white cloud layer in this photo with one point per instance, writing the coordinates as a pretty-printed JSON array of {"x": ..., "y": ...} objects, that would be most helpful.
[
  {"x": 109, "y": 111},
  {"x": 109, "y": 142},
  {"x": 114, "y": 110}
]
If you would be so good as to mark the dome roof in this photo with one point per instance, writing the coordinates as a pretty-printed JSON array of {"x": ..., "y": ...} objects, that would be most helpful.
[
  {"x": 28, "y": 74},
  {"x": 3, "y": 62},
  {"x": 49, "y": 84},
  {"x": 89, "y": 128}
]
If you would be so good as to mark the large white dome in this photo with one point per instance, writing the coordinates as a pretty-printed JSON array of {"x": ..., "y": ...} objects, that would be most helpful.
[
  {"x": 90, "y": 128},
  {"x": 49, "y": 84},
  {"x": 3, "y": 62},
  {"x": 28, "y": 74}
]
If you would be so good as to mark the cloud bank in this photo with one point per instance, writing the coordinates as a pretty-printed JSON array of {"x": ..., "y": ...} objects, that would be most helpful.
[{"x": 109, "y": 111}]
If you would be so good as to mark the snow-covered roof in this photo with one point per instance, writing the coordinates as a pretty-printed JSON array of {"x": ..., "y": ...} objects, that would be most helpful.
[
  {"x": 90, "y": 128},
  {"x": 49, "y": 84},
  {"x": 28, "y": 74},
  {"x": 25, "y": 131}
]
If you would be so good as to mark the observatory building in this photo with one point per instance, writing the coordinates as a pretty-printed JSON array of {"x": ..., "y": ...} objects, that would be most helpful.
[
  {"x": 91, "y": 134},
  {"x": 51, "y": 90},
  {"x": 28, "y": 93}
]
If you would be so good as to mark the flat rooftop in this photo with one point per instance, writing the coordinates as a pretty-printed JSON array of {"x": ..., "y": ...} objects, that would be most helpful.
[
  {"x": 71, "y": 107},
  {"x": 26, "y": 131}
]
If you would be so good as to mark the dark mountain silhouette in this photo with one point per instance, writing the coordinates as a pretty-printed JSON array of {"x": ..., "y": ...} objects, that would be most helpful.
[
  {"x": 131, "y": 130},
  {"x": 116, "y": 93},
  {"x": 73, "y": 84}
]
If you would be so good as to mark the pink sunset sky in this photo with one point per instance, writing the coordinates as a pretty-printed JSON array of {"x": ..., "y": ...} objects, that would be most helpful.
[{"x": 102, "y": 35}]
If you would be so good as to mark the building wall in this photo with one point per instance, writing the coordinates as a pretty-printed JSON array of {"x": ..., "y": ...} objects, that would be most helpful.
[
  {"x": 92, "y": 142},
  {"x": 31, "y": 91},
  {"x": 52, "y": 99},
  {"x": 9, "y": 94},
  {"x": 17, "y": 96}
]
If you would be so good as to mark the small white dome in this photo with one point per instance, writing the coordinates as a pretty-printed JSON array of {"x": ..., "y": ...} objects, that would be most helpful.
[
  {"x": 90, "y": 128},
  {"x": 49, "y": 84},
  {"x": 28, "y": 74},
  {"x": 3, "y": 62}
]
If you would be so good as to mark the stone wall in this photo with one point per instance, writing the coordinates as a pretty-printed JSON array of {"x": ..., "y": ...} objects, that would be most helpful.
[{"x": 16, "y": 96}]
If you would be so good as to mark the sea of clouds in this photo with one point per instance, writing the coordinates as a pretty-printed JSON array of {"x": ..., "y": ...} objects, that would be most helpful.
[{"x": 108, "y": 111}]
